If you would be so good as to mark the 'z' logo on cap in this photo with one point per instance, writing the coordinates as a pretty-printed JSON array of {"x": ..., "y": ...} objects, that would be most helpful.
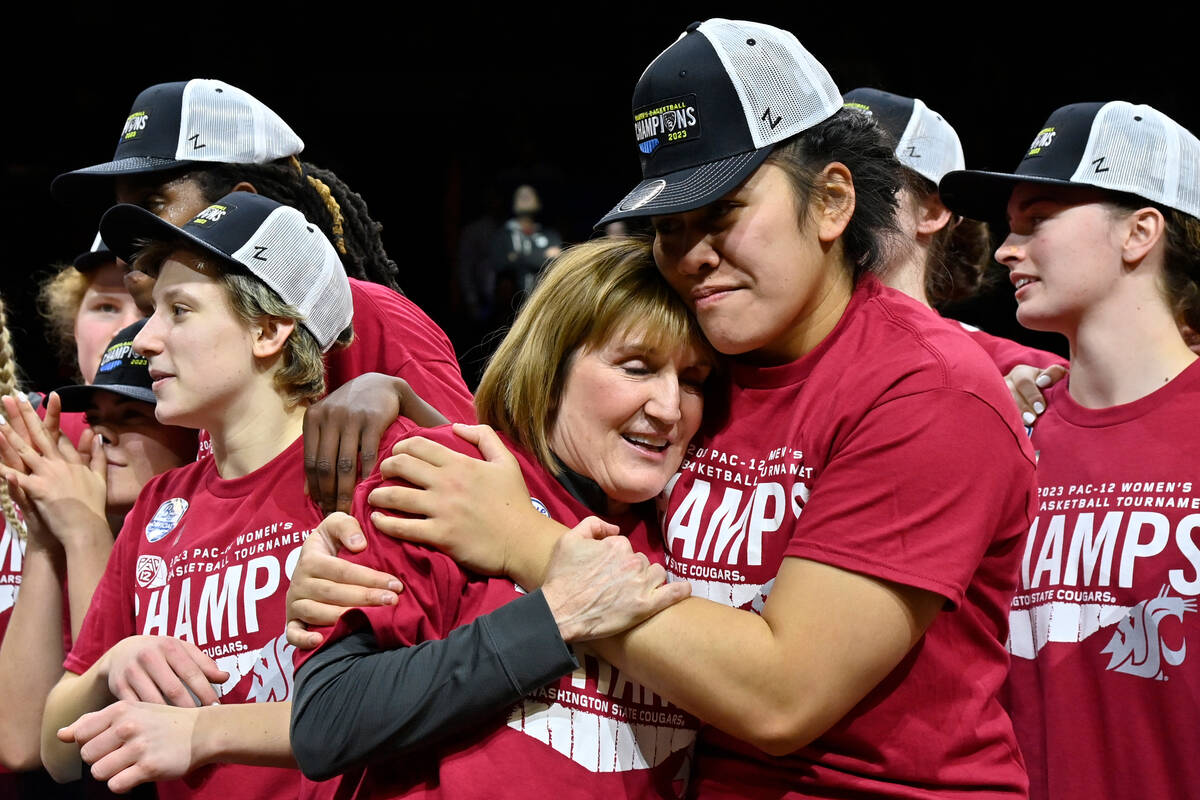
[
  {"x": 195, "y": 140},
  {"x": 260, "y": 253}
]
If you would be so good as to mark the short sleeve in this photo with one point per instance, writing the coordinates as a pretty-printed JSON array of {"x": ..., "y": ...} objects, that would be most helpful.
[{"x": 917, "y": 493}]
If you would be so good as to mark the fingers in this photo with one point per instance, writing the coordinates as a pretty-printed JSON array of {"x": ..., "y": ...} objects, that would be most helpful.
[
  {"x": 401, "y": 499},
  {"x": 12, "y": 412},
  {"x": 53, "y": 417},
  {"x": 595, "y": 528},
  {"x": 346, "y": 468},
  {"x": 98, "y": 459},
  {"x": 1022, "y": 384},
  {"x": 409, "y": 467},
  {"x": 409, "y": 529},
  {"x": 338, "y": 530},
  {"x": 368, "y": 443},
  {"x": 490, "y": 445},
  {"x": 426, "y": 450},
  {"x": 37, "y": 431},
  {"x": 343, "y": 585},
  {"x": 319, "y": 460},
  {"x": 301, "y": 637}
]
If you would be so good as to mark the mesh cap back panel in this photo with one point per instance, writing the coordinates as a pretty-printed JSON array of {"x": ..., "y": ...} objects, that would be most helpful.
[
  {"x": 1141, "y": 151},
  {"x": 775, "y": 74},
  {"x": 294, "y": 258},
  {"x": 929, "y": 146},
  {"x": 224, "y": 124}
]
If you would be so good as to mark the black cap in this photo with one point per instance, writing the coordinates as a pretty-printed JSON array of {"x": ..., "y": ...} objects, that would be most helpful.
[
  {"x": 1052, "y": 158},
  {"x": 709, "y": 110},
  {"x": 122, "y": 371},
  {"x": 97, "y": 256}
]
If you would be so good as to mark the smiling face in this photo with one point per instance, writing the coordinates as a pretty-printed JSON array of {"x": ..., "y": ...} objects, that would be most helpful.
[
  {"x": 1063, "y": 253},
  {"x": 627, "y": 413},
  {"x": 105, "y": 309},
  {"x": 759, "y": 279},
  {"x": 137, "y": 446},
  {"x": 200, "y": 352}
]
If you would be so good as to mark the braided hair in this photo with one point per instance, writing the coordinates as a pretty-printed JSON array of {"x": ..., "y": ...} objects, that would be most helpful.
[
  {"x": 9, "y": 385},
  {"x": 321, "y": 196}
]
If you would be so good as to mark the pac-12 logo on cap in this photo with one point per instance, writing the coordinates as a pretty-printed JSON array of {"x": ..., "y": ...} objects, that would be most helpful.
[
  {"x": 666, "y": 122},
  {"x": 1044, "y": 138},
  {"x": 166, "y": 518},
  {"x": 212, "y": 214},
  {"x": 134, "y": 125}
]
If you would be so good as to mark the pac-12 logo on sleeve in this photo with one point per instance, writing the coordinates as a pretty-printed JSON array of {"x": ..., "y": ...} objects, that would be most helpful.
[{"x": 166, "y": 518}]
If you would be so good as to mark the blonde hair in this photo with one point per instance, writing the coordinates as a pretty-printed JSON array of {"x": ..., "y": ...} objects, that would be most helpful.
[
  {"x": 589, "y": 293},
  {"x": 301, "y": 375},
  {"x": 59, "y": 298},
  {"x": 9, "y": 385}
]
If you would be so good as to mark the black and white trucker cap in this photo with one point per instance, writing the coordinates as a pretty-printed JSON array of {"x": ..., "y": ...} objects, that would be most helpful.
[
  {"x": 709, "y": 109},
  {"x": 925, "y": 141},
  {"x": 175, "y": 124},
  {"x": 274, "y": 242},
  {"x": 1117, "y": 146}
]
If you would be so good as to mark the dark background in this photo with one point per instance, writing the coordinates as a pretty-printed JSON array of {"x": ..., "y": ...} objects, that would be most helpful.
[{"x": 425, "y": 116}]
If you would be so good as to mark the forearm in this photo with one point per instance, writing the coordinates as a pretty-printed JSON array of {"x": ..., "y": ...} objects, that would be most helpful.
[
  {"x": 529, "y": 552},
  {"x": 354, "y": 701},
  {"x": 72, "y": 697},
  {"x": 243, "y": 733},
  {"x": 87, "y": 555},
  {"x": 31, "y": 658}
]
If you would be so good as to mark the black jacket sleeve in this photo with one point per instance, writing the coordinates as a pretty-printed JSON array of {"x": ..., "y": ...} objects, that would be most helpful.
[{"x": 354, "y": 702}]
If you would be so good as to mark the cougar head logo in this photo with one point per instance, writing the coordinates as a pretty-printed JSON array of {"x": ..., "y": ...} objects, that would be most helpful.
[{"x": 1137, "y": 647}]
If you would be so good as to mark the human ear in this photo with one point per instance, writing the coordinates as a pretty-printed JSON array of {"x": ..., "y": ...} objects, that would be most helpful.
[
  {"x": 932, "y": 215},
  {"x": 1145, "y": 228},
  {"x": 270, "y": 334},
  {"x": 244, "y": 186},
  {"x": 835, "y": 195}
]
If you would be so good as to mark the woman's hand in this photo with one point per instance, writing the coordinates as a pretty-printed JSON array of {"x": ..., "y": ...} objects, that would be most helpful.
[
  {"x": 473, "y": 510},
  {"x": 596, "y": 586},
  {"x": 64, "y": 490},
  {"x": 129, "y": 743},
  {"x": 162, "y": 670},
  {"x": 324, "y": 585},
  {"x": 1026, "y": 384},
  {"x": 342, "y": 433}
]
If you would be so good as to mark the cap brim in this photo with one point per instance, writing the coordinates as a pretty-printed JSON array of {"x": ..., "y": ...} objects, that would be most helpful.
[
  {"x": 86, "y": 262},
  {"x": 687, "y": 189},
  {"x": 78, "y": 398},
  {"x": 125, "y": 226},
  {"x": 980, "y": 195},
  {"x": 91, "y": 186}
]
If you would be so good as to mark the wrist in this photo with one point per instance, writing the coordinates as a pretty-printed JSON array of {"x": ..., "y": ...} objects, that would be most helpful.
[
  {"x": 526, "y": 563},
  {"x": 207, "y": 741}
]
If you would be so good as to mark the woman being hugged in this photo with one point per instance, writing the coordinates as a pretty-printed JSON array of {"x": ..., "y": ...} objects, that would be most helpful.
[{"x": 1103, "y": 248}]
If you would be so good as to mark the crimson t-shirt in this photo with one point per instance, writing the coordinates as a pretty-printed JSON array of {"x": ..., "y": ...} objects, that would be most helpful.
[
  {"x": 893, "y": 450},
  {"x": 594, "y": 733},
  {"x": 1105, "y": 681},
  {"x": 209, "y": 560}
]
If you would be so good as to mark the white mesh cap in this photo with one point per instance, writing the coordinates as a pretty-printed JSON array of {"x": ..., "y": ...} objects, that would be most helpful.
[
  {"x": 777, "y": 74},
  {"x": 222, "y": 123},
  {"x": 1139, "y": 150},
  {"x": 274, "y": 242},
  {"x": 293, "y": 257},
  {"x": 1116, "y": 146},
  {"x": 925, "y": 142}
]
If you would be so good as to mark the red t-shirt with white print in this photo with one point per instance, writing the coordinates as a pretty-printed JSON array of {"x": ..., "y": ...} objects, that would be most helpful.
[
  {"x": 1104, "y": 682},
  {"x": 892, "y": 450},
  {"x": 209, "y": 560},
  {"x": 594, "y": 733}
]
